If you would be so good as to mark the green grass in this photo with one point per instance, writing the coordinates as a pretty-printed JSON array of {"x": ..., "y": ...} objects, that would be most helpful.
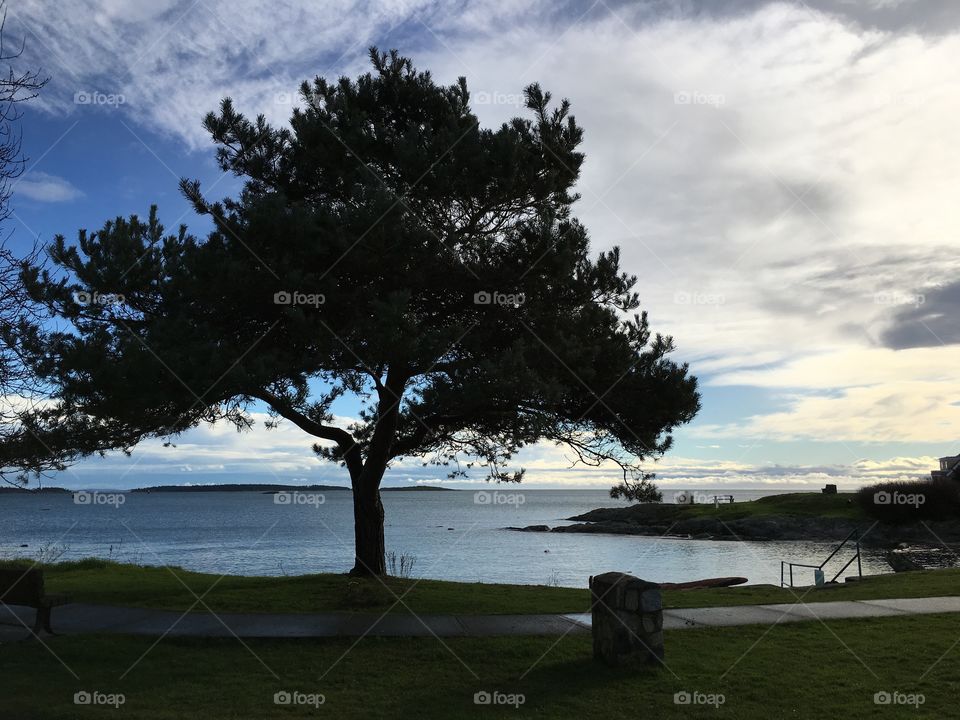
[
  {"x": 841, "y": 505},
  {"x": 803, "y": 671},
  {"x": 926, "y": 583},
  {"x": 805, "y": 504},
  {"x": 102, "y": 581}
]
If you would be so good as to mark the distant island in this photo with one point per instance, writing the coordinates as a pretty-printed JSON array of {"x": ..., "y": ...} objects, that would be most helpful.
[
  {"x": 417, "y": 488},
  {"x": 35, "y": 490},
  {"x": 239, "y": 487}
]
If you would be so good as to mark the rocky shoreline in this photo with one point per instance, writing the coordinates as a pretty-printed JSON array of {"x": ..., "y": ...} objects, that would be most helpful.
[{"x": 649, "y": 520}]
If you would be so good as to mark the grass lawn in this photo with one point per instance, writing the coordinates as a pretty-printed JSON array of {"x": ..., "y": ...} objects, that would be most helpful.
[
  {"x": 101, "y": 581},
  {"x": 803, "y": 671},
  {"x": 841, "y": 505},
  {"x": 812, "y": 504}
]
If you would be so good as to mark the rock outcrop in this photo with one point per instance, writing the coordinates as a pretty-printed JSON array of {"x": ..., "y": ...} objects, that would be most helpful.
[{"x": 668, "y": 521}]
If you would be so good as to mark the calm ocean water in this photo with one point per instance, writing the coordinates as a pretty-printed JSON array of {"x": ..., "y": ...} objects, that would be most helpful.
[{"x": 450, "y": 534}]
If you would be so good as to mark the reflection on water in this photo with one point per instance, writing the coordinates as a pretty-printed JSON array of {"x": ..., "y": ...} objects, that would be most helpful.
[{"x": 451, "y": 535}]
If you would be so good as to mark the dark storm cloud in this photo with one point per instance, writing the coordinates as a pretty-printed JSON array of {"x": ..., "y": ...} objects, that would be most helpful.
[
  {"x": 927, "y": 17},
  {"x": 931, "y": 323}
]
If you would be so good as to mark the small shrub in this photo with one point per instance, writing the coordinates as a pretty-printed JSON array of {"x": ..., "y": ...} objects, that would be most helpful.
[
  {"x": 401, "y": 566},
  {"x": 49, "y": 553},
  {"x": 906, "y": 501}
]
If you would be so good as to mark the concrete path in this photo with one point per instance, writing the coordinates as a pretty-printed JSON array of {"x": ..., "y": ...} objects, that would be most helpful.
[{"x": 80, "y": 618}]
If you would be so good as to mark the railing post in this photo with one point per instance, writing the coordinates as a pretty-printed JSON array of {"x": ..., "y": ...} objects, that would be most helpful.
[{"x": 857, "y": 556}]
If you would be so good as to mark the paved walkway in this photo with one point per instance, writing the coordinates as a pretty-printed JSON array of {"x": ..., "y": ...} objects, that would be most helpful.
[{"x": 80, "y": 618}]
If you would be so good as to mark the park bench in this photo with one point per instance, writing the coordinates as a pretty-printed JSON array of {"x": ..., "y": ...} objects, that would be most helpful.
[{"x": 25, "y": 587}]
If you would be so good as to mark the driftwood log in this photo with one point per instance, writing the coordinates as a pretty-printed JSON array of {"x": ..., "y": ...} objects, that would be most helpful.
[{"x": 707, "y": 583}]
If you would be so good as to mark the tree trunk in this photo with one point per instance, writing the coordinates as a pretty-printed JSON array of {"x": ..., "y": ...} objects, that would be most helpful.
[
  {"x": 368, "y": 532},
  {"x": 370, "y": 556}
]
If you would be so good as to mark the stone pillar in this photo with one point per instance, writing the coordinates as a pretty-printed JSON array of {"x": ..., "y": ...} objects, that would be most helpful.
[{"x": 627, "y": 618}]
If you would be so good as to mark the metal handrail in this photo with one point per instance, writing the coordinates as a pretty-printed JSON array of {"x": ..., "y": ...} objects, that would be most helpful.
[{"x": 854, "y": 534}]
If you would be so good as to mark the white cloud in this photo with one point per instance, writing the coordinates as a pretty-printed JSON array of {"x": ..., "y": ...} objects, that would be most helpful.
[
  {"x": 222, "y": 455},
  {"x": 174, "y": 61},
  {"x": 896, "y": 412},
  {"x": 855, "y": 395},
  {"x": 856, "y": 367},
  {"x": 779, "y": 222},
  {"x": 44, "y": 187},
  {"x": 768, "y": 174}
]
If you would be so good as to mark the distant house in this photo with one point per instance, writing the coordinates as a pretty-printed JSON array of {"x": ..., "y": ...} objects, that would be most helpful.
[{"x": 949, "y": 469}]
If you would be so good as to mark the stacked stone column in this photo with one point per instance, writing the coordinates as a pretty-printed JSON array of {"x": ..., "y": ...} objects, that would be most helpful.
[{"x": 627, "y": 619}]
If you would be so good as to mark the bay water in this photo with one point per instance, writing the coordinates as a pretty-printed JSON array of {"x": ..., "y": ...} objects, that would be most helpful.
[{"x": 450, "y": 535}]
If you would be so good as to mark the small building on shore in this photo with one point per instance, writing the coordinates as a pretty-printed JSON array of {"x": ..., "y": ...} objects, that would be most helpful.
[{"x": 949, "y": 469}]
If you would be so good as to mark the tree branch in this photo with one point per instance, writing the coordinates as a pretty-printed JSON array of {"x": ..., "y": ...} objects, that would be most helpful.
[{"x": 344, "y": 440}]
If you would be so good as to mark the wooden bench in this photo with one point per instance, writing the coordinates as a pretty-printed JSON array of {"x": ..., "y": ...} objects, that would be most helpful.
[{"x": 25, "y": 587}]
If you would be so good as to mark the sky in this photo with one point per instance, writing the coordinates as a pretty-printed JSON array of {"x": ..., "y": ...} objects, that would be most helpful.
[{"x": 781, "y": 177}]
